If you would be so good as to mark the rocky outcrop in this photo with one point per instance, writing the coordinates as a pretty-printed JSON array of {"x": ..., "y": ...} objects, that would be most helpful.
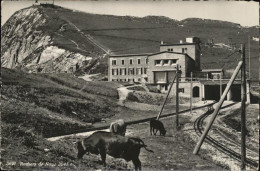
[{"x": 26, "y": 44}]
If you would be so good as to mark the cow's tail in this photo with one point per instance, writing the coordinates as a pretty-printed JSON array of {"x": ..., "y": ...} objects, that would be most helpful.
[{"x": 141, "y": 143}]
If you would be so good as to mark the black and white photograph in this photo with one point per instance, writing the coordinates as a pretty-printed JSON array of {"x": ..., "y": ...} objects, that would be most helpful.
[{"x": 129, "y": 85}]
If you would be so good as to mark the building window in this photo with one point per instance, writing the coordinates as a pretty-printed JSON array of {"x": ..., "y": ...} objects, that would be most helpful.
[
  {"x": 113, "y": 62},
  {"x": 146, "y": 60},
  {"x": 138, "y": 61},
  {"x": 174, "y": 61},
  {"x": 131, "y": 61},
  {"x": 157, "y": 62},
  {"x": 138, "y": 71},
  {"x": 131, "y": 71},
  {"x": 122, "y": 71},
  {"x": 145, "y": 70},
  {"x": 184, "y": 50},
  {"x": 160, "y": 77},
  {"x": 166, "y": 87},
  {"x": 123, "y": 62},
  {"x": 114, "y": 71},
  {"x": 196, "y": 92},
  {"x": 166, "y": 62},
  {"x": 171, "y": 49}
]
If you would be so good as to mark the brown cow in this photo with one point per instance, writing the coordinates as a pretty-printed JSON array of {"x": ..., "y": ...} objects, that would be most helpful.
[
  {"x": 117, "y": 146},
  {"x": 118, "y": 127}
]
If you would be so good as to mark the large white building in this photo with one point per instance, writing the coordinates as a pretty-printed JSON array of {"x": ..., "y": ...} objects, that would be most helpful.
[{"x": 159, "y": 69}]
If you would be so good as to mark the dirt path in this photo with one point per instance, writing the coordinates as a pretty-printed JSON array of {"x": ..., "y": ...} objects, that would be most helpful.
[
  {"x": 87, "y": 77},
  {"x": 90, "y": 38},
  {"x": 171, "y": 152}
]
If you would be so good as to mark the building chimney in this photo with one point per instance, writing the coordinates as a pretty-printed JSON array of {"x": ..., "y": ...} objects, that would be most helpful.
[
  {"x": 181, "y": 41},
  {"x": 161, "y": 42},
  {"x": 189, "y": 39}
]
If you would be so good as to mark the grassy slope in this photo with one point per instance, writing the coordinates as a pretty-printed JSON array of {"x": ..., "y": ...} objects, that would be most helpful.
[
  {"x": 52, "y": 95},
  {"x": 43, "y": 105},
  {"x": 252, "y": 120}
]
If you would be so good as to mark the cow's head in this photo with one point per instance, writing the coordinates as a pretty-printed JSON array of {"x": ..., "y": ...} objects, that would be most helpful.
[{"x": 163, "y": 132}]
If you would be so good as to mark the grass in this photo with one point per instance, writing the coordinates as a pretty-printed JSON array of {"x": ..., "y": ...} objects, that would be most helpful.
[
  {"x": 234, "y": 120},
  {"x": 30, "y": 99},
  {"x": 35, "y": 106}
]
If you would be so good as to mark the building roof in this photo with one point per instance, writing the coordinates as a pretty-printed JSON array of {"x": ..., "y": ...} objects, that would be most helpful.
[
  {"x": 217, "y": 82},
  {"x": 172, "y": 53},
  {"x": 178, "y": 44},
  {"x": 166, "y": 52},
  {"x": 128, "y": 55},
  {"x": 211, "y": 70}
]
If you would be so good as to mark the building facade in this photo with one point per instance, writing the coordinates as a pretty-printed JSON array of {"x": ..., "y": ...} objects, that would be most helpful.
[
  {"x": 128, "y": 68},
  {"x": 190, "y": 48},
  {"x": 162, "y": 68}
]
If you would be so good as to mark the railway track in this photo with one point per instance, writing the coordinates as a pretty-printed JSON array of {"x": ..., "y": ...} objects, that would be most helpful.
[{"x": 222, "y": 142}]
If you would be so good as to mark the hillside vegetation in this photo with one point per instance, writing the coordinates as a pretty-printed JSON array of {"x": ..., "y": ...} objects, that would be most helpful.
[
  {"x": 92, "y": 36},
  {"x": 35, "y": 106},
  {"x": 54, "y": 103}
]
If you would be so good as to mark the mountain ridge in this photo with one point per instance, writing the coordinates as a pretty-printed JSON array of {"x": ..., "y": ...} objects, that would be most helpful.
[{"x": 84, "y": 38}]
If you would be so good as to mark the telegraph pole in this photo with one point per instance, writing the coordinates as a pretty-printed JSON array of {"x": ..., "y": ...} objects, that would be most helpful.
[
  {"x": 249, "y": 76},
  {"x": 177, "y": 97},
  {"x": 243, "y": 108},
  {"x": 220, "y": 88},
  {"x": 191, "y": 93}
]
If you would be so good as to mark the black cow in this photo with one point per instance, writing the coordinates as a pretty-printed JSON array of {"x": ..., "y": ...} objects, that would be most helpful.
[
  {"x": 115, "y": 145},
  {"x": 156, "y": 125}
]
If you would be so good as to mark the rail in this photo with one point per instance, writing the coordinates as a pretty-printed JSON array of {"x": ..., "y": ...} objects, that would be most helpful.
[{"x": 198, "y": 127}]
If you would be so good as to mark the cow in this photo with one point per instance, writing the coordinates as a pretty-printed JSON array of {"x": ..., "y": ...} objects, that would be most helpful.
[
  {"x": 117, "y": 146},
  {"x": 156, "y": 125},
  {"x": 118, "y": 127}
]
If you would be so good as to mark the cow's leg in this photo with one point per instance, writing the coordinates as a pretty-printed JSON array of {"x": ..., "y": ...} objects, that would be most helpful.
[
  {"x": 153, "y": 131},
  {"x": 156, "y": 131},
  {"x": 115, "y": 128},
  {"x": 137, "y": 164},
  {"x": 102, "y": 153}
]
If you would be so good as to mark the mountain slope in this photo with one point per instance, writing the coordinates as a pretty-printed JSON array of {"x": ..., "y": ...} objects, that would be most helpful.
[{"x": 55, "y": 39}]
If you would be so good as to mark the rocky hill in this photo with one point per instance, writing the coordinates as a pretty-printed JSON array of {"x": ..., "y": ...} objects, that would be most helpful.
[{"x": 47, "y": 38}]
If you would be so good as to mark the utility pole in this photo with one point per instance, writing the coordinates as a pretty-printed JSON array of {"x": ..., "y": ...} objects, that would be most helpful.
[
  {"x": 243, "y": 108},
  {"x": 220, "y": 87},
  {"x": 191, "y": 93},
  {"x": 177, "y": 96},
  {"x": 249, "y": 66},
  {"x": 166, "y": 98}
]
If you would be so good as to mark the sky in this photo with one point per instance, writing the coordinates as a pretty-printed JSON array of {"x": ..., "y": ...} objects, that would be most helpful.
[{"x": 244, "y": 13}]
